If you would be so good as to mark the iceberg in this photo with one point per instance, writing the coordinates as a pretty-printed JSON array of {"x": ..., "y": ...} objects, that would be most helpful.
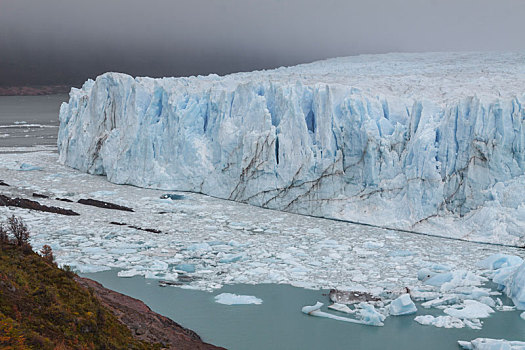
[
  {"x": 509, "y": 273},
  {"x": 472, "y": 310},
  {"x": 234, "y": 299},
  {"x": 431, "y": 142},
  {"x": 403, "y": 305},
  {"x": 515, "y": 287},
  {"x": 367, "y": 313},
  {"x": 498, "y": 261},
  {"x": 440, "y": 321}
]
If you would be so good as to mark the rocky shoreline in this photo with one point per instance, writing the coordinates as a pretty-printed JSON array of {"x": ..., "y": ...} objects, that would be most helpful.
[{"x": 145, "y": 324}]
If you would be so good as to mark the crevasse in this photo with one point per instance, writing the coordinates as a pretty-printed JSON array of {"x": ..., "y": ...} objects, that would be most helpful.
[{"x": 328, "y": 139}]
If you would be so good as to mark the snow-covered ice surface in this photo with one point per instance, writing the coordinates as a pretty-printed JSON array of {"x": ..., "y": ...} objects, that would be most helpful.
[{"x": 430, "y": 142}]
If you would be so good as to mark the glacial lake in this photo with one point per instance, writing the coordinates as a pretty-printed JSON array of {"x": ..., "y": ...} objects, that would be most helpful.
[
  {"x": 27, "y": 123},
  {"x": 278, "y": 322}
]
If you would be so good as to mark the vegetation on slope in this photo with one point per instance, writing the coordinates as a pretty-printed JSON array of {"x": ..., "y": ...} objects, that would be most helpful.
[{"x": 42, "y": 307}]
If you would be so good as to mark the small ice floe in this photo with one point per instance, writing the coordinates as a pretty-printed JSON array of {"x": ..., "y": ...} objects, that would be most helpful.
[
  {"x": 189, "y": 268},
  {"x": 367, "y": 314},
  {"x": 498, "y": 261},
  {"x": 89, "y": 268},
  {"x": 130, "y": 273},
  {"x": 234, "y": 299},
  {"x": 230, "y": 258},
  {"x": 491, "y": 344},
  {"x": 29, "y": 167},
  {"x": 199, "y": 247},
  {"x": 341, "y": 308},
  {"x": 400, "y": 253},
  {"x": 403, "y": 305},
  {"x": 440, "y": 321},
  {"x": 445, "y": 300},
  {"x": 522, "y": 316},
  {"x": 472, "y": 310}
]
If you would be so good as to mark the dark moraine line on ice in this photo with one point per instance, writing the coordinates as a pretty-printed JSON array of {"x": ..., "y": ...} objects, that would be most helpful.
[
  {"x": 104, "y": 205},
  {"x": 369, "y": 225},
  {"x": 33, "y": 205}
]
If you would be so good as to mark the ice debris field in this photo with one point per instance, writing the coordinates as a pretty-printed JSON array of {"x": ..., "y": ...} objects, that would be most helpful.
[
  {"x": 431, "y": 142},
  {"x": 202, "y": 242}
]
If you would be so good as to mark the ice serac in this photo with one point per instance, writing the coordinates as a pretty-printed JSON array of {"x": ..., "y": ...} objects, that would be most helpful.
[{"x": 427, "y": 142}]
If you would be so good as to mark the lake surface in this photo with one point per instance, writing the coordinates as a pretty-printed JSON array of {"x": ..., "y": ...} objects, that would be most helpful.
[
  {"x": 278, "y": 322},
  {"x": 29, "y": 120}
]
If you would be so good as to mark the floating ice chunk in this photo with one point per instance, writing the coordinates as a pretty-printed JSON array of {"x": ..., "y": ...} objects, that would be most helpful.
[
  {"x": 461, "y": 278},
  {"x": 130, "y": 273},
  {"x": 189, "y": 268},
  {"x": 439, "y": 279},
  {"x": 501, "y": 275},
  {"x": 425, "y": 274},
  {"x": 445, "y": 300},
  {"x": 402, "y": 306},
  {"x": 497, "y": 261},
  {"x": 199, "y": 247},
  {"x": 515, "y": 287},
  {"x": 234, "y": 299},
  {"x": 88, "y": 268},
  {"x": 315, "y": 310},
  {"x": 341, "y": 307},
  {"x": 522, "y": 315},
  {"x": 159, "y": 265},
  {"x": 419, "y": 295},
  {"x": 491, "y": 344},
  {"x": 474, "y": 323},
  {"x": 400, "y": 253},
  {"x": 440, "y": 321},
  {"x": 171, "y": 276},
  {"x": 369, "y": 315},
  {"x": 29, "y": 167},
  {"x": 488, "y": 301},
  {"x": 373, "y": 245},
  {"x": 230, "y": 258},
  {"x": 440, "y": 267},
  {"x": 472, "y": 309}
]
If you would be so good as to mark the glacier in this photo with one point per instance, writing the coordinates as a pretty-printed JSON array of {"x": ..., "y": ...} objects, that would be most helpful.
[{"x": 432, "y": 143}]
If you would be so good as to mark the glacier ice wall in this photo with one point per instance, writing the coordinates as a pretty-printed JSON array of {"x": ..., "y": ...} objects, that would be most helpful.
[{"x": 432, "y": 143}]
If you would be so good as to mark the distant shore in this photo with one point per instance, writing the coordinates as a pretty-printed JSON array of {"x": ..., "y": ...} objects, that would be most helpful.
[{"x": 33, "y": 90}]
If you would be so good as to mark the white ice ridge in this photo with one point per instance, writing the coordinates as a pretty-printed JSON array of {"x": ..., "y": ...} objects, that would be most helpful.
[{"x": 428, "y": 142}]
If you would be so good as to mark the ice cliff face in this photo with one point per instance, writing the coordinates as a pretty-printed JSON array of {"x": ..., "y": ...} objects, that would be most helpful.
[{"x": 427, "y": 142}]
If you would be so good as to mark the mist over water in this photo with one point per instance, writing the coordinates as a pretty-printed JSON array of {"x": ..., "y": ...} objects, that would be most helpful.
[{"x": 57, "y": 41}]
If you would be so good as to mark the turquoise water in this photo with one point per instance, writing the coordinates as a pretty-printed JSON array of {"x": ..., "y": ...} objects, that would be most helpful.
[{"x": 279, "y": 324}]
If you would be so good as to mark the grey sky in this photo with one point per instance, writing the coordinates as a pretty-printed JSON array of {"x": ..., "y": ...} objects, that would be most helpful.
[{"x": 66, "y": 41}]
